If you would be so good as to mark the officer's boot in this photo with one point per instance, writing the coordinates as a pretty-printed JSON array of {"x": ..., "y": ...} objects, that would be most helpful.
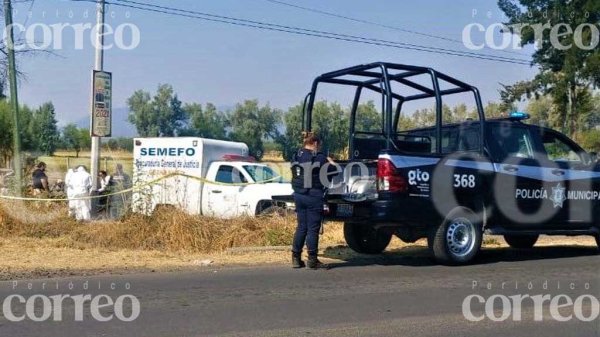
[
  {"x": 297, "y": 261},
  {"x": 314, "y": 263}
]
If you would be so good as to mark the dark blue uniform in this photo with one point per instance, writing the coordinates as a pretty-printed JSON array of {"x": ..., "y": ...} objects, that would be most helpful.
[{"x": 308, "y": 195}]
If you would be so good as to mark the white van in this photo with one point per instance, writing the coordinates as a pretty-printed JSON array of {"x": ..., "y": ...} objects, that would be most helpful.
[{"x": 219, "y": 178}]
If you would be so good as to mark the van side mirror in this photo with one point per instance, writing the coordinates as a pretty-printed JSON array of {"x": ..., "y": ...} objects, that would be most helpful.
[{"x": 593, "y": 157}]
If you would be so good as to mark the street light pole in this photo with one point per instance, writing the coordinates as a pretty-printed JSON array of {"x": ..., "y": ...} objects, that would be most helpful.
[
  {"x": 12, "y": 75},
  {"x": 99, "y": 65}
]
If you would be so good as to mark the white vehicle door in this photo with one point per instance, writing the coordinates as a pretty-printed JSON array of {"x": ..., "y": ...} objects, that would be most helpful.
[{"x": 223, "y": 198}]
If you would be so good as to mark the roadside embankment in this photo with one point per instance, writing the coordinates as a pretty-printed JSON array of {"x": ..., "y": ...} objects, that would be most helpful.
[{"x": 39, "y": 240}]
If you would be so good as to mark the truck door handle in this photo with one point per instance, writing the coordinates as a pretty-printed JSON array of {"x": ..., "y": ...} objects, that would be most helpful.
[
  {"x": 216, "y": 191},
  {"x": 558, "y": 172},
  {"x": 510, "y": 168}
]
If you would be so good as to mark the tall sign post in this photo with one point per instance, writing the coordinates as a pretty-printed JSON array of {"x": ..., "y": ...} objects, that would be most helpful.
[
  {"x": 101, "y": 104},
  {"x": 14, "y": 100},
  {"x": 100, "y": 111}
]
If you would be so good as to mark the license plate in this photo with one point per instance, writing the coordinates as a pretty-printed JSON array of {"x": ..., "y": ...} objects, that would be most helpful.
[{"x": 344, "y": 210}]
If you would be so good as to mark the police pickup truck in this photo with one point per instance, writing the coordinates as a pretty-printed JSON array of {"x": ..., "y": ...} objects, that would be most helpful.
[{"x": 453, "y": 181}]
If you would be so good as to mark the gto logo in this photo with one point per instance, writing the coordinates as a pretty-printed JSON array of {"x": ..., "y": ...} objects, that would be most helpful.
[
  {"x": 417, "y": 176},
  {"x": 40, "y": 308}
]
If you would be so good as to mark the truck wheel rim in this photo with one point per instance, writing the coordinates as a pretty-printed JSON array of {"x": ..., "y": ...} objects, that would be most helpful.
[{"x": 460, "y": 237}]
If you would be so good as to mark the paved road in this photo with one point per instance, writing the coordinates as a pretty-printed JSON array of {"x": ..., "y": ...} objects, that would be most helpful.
[{"x": 389, "y": 296}]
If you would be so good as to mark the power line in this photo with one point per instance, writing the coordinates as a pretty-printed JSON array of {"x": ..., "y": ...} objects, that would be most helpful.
[
  {"x": 315, "y": 31},
  {"x": 372, "y": 23},
  {"x": 304, "y": 31}
]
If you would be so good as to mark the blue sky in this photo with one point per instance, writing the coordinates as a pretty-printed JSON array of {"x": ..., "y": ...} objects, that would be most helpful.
[{"x": 223, "y": 64}]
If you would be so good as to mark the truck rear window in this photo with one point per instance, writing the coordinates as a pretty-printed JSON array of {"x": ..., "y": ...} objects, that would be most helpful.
[
  {"x": 229, "y": 175},
  {"x": 511, "y": 141},
  {"x": 260, "y": 173}
]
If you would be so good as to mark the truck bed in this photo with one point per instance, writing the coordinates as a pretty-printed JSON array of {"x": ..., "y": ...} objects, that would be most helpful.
[{"x": 356, "y": 182}]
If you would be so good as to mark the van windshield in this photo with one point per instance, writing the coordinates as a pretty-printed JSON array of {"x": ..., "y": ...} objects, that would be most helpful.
[{"x": 261, "y": 173}]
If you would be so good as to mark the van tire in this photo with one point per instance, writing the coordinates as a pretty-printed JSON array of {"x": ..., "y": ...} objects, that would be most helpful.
[
  {"x": 274, "y": 211},
  {"x": 271, "y": 208},
  {"x": 365, "y": 239},
  {"x": 521, "y": 241},
  {"x": 457, "y": 240}
]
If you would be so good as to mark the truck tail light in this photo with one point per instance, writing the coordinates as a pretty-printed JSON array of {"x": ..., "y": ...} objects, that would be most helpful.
[{"x": 388, "y": 179}]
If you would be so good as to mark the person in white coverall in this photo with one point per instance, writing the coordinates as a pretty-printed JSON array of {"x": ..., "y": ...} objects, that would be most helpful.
[
  {"x": 69, "y": 191},
  {"x": 81, "y": 181}
]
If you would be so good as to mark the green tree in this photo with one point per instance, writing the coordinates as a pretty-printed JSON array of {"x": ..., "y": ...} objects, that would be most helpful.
[
  {"x": 424, "y": 117},
  {"x": 27, "y": 133},
  {"x": 6, "y": 134},
  {"x": 44, "y": 129},
  {"x": 30, "y": 138},
  {"x": 368, "y": 118},
  {"x": 207, "y": 122},
  {"x": 85, "y": 140},
  {"x": 591, "y": 140},
  {"x": 76, "y": 139},
  {"x": 252, "y": 124},
  {"x": 159, "y": 116},
  {"x": 497, "y": 110},
  {"x": 291, "y": 140},
  {"x": 566, "y": 73},
  {"x": 331, "y": 124},
  {"x": 592, "y": 120},
  {"x": 142, "y": 115},
  {"x": 541, "y": 109}
]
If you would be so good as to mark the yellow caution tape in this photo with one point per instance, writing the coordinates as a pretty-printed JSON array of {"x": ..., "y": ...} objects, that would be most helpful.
[{"x": 131, "y": 189}]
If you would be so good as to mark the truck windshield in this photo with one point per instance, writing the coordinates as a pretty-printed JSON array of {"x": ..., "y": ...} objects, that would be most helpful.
[{"x": 260, "y": 173}]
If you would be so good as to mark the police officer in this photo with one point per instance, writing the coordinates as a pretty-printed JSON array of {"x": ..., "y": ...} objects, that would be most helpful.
[{"x": 309, "y": 171}]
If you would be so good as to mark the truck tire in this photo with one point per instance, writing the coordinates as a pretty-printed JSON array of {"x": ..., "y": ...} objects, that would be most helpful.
[
  {"x": 277, "y": 211},
  {"x": 270, "y": 208},
  {"x": 521, "y": 241},
  {"x": 458, "y": 239},
  {"x": 365, "y": 239}
]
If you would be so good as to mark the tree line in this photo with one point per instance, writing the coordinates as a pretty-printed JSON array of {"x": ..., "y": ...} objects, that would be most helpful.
[
  {"x": 38, "y": 130},
  {"x": 162, "y": 114},
  {"x": 41, "y": 136},
  {"x": 565, "y": 87}
]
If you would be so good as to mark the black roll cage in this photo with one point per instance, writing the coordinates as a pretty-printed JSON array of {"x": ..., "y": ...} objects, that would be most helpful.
[{"x": 378, "y": 77}]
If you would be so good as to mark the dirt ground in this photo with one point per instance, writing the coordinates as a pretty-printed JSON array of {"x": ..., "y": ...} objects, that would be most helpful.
[{"x": 26, "y": 258}]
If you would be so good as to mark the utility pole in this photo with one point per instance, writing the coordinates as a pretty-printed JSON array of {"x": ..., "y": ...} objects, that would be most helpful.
[
  {"x": 95, "y": 156},
  {"x": 14, "y": 100}
]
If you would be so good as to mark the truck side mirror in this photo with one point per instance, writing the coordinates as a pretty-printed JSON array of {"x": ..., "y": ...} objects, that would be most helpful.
[{"x": 593, "y": 157}]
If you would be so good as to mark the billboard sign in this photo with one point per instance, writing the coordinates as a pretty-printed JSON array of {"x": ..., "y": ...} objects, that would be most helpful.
[{"x": 101, "y": 104}]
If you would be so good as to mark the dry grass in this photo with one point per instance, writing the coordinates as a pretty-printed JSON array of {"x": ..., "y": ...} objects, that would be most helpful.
[
  {"x": 273, "y": 156},
  {"x": 168, "y": 230},
  {"x": 116, "y": 154},
  {"x": 39, "y": 240}
]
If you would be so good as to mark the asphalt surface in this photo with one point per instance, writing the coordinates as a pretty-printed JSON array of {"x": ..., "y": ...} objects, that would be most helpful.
[{"x": 387, "y": 296}]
